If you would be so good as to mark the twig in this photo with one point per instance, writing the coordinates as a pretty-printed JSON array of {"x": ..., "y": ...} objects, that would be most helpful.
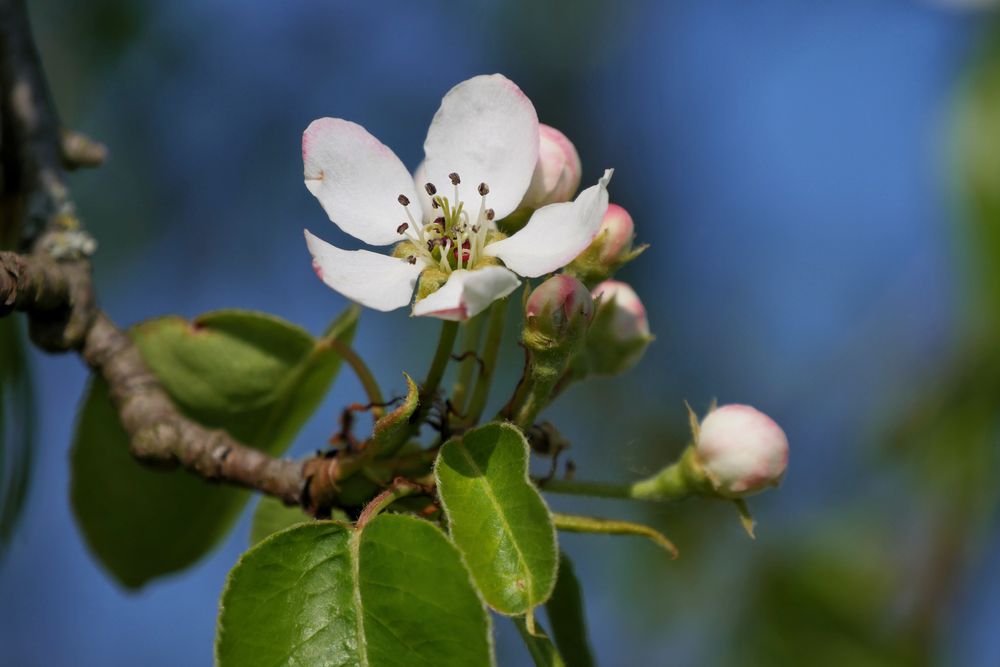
[{"x": 52, "y": 285}]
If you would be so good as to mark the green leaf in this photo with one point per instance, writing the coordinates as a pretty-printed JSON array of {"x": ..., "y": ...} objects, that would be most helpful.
[
  {"x": 324, "y": 594},
  {"x": 17, "y": 428},
  {"x": 254, "y": 375},
  {"x": 497, "y": 517},
  {"x": 566, "y": 616}
]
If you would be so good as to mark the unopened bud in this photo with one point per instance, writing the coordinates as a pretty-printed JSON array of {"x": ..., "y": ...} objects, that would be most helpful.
[
  {"x": 559, "y": 309},
  {"x": 620, "y": 333},
  {"x": 610, "y": 249},
  {"x": 742, "y": 450},
  {"x": 557, "y": 172}
]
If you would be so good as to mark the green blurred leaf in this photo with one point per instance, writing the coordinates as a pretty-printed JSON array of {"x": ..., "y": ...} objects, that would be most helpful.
[
  {"x": 823, "y": 605},
  {"x": 978, "y": 169},
  {"x": 324, "y": 594},
  {"x": 271, "y": 516},
  {"x": 543, "y": 652},
  {"x": 497, "y": 517},
  {"x": 17, "y": 428},
  {"x": 566, "y": 616},
  {"x": 255, "y": 376}
]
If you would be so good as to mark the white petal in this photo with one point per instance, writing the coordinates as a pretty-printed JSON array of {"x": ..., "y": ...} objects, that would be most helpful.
[
  {"x": 377, "y": 281},
  {"x": 486, "y": 131},
  {"x": 357, "y": 179},
  {"x": 556, "y": 233},
  {"x": 467, "y": 293}
]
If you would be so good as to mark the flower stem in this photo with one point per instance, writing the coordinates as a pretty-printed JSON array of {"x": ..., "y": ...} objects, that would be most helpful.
[
  {"x": 470, "y": 345},
  {"x": 677, "y": 481},
  {"x": 588, "y": 524},
  {"x": 400, "y": 488},
  {"x": 363, "y": 373},
  {"x": 491, "y": 350},
  {"x": 449, "y": 331}
]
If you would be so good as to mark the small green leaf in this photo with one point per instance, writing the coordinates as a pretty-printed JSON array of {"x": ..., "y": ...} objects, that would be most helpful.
[
  {"x": 272, "y": 516},
  {"x": 497, "y": 517},
  {"x": 391, "y": 428},
  {"x": 254, "y": 375},
  {"x": 324, "y": 594},
  {"x": 566, "y": 616}
]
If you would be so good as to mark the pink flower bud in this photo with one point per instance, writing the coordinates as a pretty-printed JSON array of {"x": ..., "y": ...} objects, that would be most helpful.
[
  {"x": 610, "y": 249},
  {"x": 742, "y": 450},
  {"x": 557, "y": 174},
  {"x": 620, "y": 333},
  {"x": 559, "y": 307},
  {"x": 615, "y": 235}
]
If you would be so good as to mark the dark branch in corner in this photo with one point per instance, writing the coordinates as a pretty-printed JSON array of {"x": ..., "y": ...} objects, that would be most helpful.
[{"x": 52, "y": 285}]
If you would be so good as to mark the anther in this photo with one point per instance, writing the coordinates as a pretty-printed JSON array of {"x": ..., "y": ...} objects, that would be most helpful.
[
  {"x": 431, "y": 243},
  {"x": 490, "y": 214},
  {"x": 431, "y": 190},
  {"x": 411, "y": 259},
  {"x": 455, "y": 180},
  {"x": 404, "y": 200},
  {"x": 475, "y": 229},
  {"x": 434, "y": 203},
  {"x": 484, "y": 189},
  {"x": 439, "y": 221},
  {"x": 402, "y": 228}
]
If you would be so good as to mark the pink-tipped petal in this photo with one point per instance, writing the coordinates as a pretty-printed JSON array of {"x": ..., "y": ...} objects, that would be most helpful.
[
  {"x": 628, "y": 321},
  {"x": 557, "y": 173},
  {"x": 555, "y": 234},
  {"x": 376, "y": 281},
  {"x": 467, "y": 293},
  {"x": 486, "y": 131},
  {"x": 357, "y": 179}
]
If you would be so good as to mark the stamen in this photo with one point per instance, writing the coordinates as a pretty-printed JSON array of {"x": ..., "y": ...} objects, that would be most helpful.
[
  {"x": 455, "y": 180},
  {"x": 430, "y": 189},
  {"x": 484, "y": 189},
  {"x": 445, "y": 266},
  {"x": 490, "y": 214},
  {"x": 403, "y": 199},
  {"x": 402, "y": 228},
  {"x": 411, "y": 259},
  {"x": 412, "y": 223}
]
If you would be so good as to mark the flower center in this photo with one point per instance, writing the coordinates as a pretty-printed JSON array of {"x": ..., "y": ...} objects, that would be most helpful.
[{"x": 453, "y": 240}]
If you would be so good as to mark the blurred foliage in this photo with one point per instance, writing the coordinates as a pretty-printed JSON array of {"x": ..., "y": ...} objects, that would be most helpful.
[
  {"x": 17, "y": 411},
  {"x": 978, "y": 173},
  {"x": 17, "y": 427},
  {"x": 841, "y": 603},
  {"x": 254, "y": 375},
  {"x": 827, "y": 604}
]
